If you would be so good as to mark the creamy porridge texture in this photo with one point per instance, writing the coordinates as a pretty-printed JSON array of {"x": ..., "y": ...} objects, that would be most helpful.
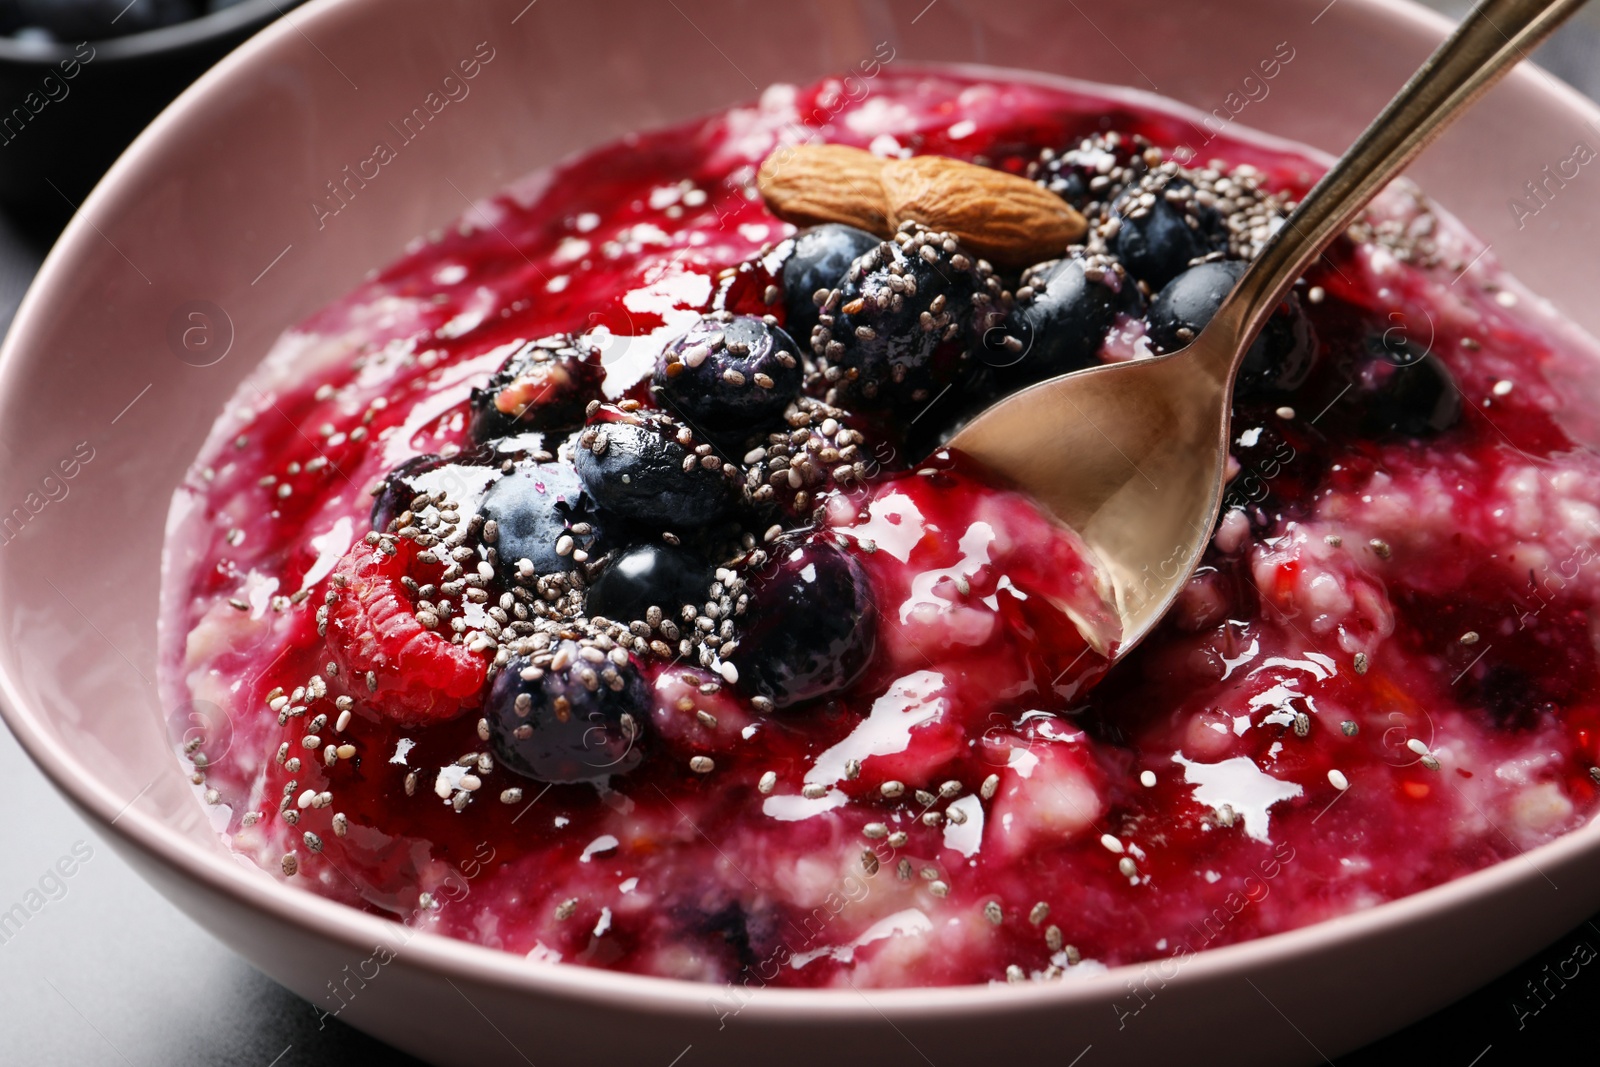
[{"x": 591, "y": 583}]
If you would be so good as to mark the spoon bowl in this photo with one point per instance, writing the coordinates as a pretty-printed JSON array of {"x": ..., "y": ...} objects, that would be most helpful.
[{"x": 1133, "y": 455}]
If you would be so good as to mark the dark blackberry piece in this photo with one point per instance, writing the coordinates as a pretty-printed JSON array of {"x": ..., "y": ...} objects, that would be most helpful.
[
  {"x": 1158, "y": 226},
  {"x": 431, "y": 480},
  {"x": 817, "y": 262},
  {"x": 937, "y": 424},
  {"x": 1402, "y": 389},
  {"x": 648, "y": 467},
  {"x": 731, "y": 923},
  {"x": 1279, "y": 361},
  {"x": 1063, "y": 311},
  {"x": 570, "y": 715},
  {"x": 900, "y": 327},
  {"x": 1277, "y": 465},
  {"x": 543, "y": 514},
  {"x": 545, "y": 385},
  {"x": 1509, "y": 697},
  {"x": 650, "y": 576},
  {"x": 793, "y": 469},
  {"x": 729, "y": 372},
  {"x": 810, "y": 627},
  {"x": 1095, "y": 170}
]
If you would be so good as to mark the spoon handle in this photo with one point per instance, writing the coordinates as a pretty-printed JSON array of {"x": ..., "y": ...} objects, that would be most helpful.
[{"x": 1489, "y": 41}]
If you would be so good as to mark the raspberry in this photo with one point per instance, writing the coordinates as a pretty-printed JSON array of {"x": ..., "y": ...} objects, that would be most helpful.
[{"x": 375, "y": 635}]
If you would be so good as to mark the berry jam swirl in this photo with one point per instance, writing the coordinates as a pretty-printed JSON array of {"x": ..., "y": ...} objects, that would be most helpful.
[{"x": 593, "y": 584}]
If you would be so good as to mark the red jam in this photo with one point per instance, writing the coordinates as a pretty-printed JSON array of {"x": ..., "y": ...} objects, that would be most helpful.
[{"x": 1382, "y": 677}]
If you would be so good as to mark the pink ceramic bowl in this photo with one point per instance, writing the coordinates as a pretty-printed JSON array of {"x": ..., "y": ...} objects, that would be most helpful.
[{"x": 202, "y": 244}]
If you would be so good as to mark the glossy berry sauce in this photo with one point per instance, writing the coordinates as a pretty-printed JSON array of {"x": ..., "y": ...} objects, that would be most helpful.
[{"x": 1383, "y": 676}]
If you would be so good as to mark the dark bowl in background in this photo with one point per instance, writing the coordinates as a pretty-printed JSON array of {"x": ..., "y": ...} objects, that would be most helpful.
[{"x": 68, "y": 110}]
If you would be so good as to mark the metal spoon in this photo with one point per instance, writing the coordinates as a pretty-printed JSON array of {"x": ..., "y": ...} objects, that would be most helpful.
[{"x": 1132, "y": 455}]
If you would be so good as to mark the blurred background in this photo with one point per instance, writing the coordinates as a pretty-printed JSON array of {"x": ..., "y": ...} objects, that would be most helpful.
[
  {"x": 119, "y": 62},
  {"x": 109, "y": 972}
]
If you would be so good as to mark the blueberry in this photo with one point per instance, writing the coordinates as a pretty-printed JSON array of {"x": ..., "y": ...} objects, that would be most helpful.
[
  {"x": 1162, "y": 228},
  {"x": 536, "y": 508},
  {"x": 1156, "y": 244},
  {"x": 548, "y": 723},
  {"x": 1096, "y": 169},
  {"x": 1402, "y": 389},
  {"x": 822, "y": 448},
  {"x": 1280, "y": 360},
  {"x": 1282, "y": 357},
  {"x": 649, "y": 576},
  {"x": 817, "y": 263},
  {"x": 810, "y": 627},
  {"x": 647, "y": 467},
  {"x": 1183, "y": 306},
  {"x": 729, "y": 372},
  {"x": 1060, "y": 319},
  {"x": 545, "y": 385},
  {"x": 462, "y": 480},
  {"x": 900, "y": 329}
]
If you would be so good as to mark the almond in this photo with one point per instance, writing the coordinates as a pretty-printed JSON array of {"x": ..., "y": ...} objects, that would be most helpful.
[
  {"x": 1008, "y": 220},
  {"x": 808, "y": 184}
]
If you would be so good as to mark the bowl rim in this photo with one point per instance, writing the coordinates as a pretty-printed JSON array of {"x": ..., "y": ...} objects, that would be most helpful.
[
  {"x": 450, "y": 958},
  {"x": 148, "y": 43}
]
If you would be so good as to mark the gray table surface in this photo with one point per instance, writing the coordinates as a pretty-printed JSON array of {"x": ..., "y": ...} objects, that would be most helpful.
[{"x": 110, "y": 973}]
